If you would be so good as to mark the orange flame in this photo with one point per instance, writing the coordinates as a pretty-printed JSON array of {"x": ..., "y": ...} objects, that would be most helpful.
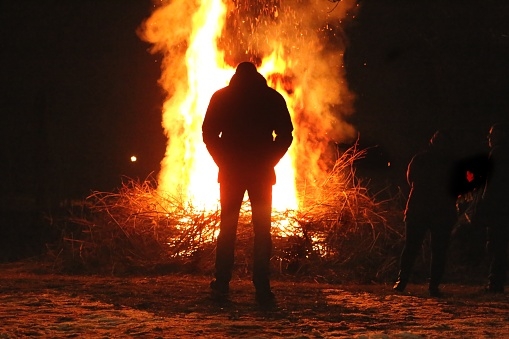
[{"x": 203, "y": 41}]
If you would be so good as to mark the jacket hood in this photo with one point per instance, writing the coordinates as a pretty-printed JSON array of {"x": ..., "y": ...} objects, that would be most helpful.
[{"x": 246, "y": 75}]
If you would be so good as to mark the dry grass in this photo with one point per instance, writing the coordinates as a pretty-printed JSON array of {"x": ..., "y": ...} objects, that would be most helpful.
[
  {"x": 342, "y": 233},
  {"x": 345, "y": 233}
]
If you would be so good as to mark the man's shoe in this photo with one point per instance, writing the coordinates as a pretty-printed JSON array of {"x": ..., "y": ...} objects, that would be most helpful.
[
  {"x": 399, "y": 286},
  {"x": 265, "y": 298},
  {"x": 219, "y": 288},
  {"x": 435, "y": 292},
  {"x": 492, "y": 288}
]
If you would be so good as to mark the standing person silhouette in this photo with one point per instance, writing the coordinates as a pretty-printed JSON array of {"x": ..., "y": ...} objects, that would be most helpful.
[
  {"x": 431, "y": 205},
  {"x": 494, "y": 207},
  {"x": 247, "y": 129}
]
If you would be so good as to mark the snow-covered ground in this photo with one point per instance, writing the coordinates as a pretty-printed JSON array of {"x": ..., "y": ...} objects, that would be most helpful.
[{"x": 61, "y": 306}]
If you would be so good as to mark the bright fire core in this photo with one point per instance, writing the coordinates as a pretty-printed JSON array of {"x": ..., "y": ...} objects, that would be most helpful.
[{"x": 299, "y": 49}]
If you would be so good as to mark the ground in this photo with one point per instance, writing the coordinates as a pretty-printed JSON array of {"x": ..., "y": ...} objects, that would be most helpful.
[{"x": 34, "y": 302}]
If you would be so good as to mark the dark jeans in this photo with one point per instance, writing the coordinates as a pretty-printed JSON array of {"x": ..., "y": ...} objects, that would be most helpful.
[
  {"x": 497, "y": 248},
  {"x": 416, "y": 230},
  {"x": 260, "y": 197}
]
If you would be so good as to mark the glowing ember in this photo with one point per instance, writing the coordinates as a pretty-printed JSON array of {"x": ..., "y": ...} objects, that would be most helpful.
[{"x": 299, "y": 50}]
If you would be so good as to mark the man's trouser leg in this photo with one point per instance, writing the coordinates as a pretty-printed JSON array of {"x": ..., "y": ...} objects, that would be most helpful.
[
  {"x": 440, "y": 236},
  {"x": 231, "y": 196},
  {"x": 414, "y": 236},
  {"x": 498, "y": 238},
  {"x": 260, "y": 196}
]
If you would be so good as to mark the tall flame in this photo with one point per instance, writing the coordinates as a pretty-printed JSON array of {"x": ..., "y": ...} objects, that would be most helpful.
[{"x": 299, "y": 50}]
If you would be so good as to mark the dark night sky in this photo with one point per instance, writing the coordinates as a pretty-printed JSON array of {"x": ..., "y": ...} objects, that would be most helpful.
[
  {"x": 79, "y": 94},
  {"x": 79, "y": 90},
  {"x": 428, "y": 65}
]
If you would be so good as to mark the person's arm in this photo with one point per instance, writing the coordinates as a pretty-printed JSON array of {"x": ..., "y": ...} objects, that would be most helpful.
[
  {"x": 283, "y": 131},
  {"x": 211, "y": 129},
  {"x": 409, "y": 176}
]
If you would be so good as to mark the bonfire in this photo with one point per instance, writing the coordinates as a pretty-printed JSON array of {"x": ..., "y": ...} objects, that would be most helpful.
[{"x": 324, "y": 217}]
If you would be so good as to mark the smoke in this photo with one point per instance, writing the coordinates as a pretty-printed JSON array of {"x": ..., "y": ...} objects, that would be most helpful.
[{"x": 172, "y": 46}]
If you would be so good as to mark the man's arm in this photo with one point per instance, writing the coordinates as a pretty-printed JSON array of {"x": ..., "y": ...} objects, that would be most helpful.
[
  {"x": 211, "y": 129},
  {"x": 283, "y": 131}
]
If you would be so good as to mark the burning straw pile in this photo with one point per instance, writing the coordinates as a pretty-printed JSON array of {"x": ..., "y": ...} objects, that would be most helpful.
[{"x": 342, "y": 233}]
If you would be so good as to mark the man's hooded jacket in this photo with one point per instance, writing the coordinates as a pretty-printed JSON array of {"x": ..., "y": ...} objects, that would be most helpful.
[{"x": 247, "y": 128}]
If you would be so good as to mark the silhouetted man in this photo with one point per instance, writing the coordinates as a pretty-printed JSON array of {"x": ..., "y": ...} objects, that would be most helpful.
[
  {"x": 247, "y": 129},
  {"x": 431, "y": 205},
  {"x": 494, "y": 208}
]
